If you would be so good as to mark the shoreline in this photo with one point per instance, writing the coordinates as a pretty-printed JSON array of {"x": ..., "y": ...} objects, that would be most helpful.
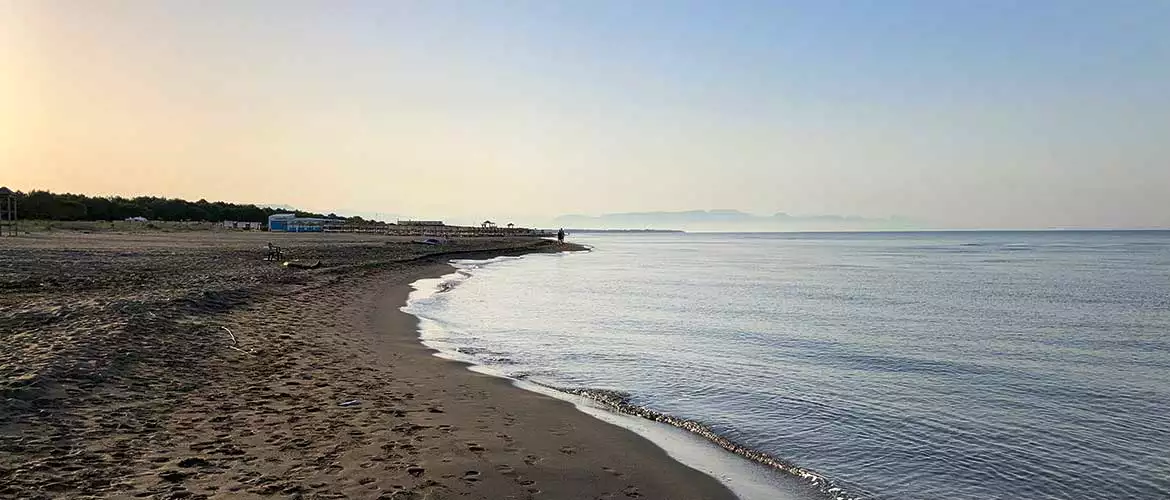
[
  {"x": 640, "y": 445},
  {"x": 180, "y": 367},
  {"x": 750, "y": 474}
]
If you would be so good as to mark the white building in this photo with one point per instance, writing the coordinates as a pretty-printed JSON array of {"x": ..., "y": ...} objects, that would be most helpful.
[{"x": 245, "y": 225}]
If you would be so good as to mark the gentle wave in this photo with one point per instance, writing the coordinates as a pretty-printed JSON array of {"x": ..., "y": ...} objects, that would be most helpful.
[{"x": 619, "y": 401}]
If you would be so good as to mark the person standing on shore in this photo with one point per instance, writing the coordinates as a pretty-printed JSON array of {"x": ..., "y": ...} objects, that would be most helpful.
[{"x": 561, "y": 235}]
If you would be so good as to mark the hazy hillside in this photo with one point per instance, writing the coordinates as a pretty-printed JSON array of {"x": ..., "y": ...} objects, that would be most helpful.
[{"x": 731, "y": 220}]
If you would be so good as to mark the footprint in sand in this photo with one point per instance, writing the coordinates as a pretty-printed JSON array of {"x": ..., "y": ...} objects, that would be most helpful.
[
  {"x": 415, "y": 471},
  {"x": 173, "y": 476},
  {"x": 471, "y": 475},
  {"x": 193, "y": 462}
]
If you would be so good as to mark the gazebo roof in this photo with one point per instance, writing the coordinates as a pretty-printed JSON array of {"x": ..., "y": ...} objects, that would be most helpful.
[{"x": 5, "y": 190}]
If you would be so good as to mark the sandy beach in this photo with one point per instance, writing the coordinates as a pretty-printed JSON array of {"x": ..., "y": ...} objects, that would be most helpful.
[{"x": 182, "y": 365}]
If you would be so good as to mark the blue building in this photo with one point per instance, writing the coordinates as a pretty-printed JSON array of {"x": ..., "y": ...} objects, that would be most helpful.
[
  {"x": 280, "y": 222},
  {"x": 290, "y": 223}
]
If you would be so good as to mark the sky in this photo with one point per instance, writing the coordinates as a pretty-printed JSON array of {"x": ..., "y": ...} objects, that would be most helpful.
[{"x": 964, "y": 114}]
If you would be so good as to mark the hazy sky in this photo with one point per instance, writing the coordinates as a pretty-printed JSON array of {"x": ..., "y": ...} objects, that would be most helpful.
[{"x": 1026, "y": 113}]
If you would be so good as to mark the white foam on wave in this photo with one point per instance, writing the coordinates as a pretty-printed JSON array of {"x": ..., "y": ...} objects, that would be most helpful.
[{"x": 746, "y": 479}]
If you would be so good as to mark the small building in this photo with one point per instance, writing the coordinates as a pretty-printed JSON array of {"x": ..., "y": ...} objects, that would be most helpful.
[
  {"x": 309, "y": 224},
  {"x": 136, "y": 219},
  {"x": 244, "y": 225},
  {"x": 290, "y": 223}
]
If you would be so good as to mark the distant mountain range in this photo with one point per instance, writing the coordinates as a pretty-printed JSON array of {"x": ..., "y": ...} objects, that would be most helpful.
[
  {"x": 688, "y": 220},
  {"x": 732, "y": 220}
]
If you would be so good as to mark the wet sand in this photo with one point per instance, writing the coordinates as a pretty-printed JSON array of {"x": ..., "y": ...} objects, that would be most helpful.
[{"x": 120, "y": 379}]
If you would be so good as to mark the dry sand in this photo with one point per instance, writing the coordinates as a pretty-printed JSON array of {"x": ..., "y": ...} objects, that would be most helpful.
[{"x": 118, "y": 378}]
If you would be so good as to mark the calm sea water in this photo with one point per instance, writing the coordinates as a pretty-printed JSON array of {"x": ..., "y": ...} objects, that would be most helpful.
[{"x": 971, "y": 365}]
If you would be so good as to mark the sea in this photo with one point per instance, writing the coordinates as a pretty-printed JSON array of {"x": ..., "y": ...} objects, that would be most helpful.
[{"x": 921, "y": 365}]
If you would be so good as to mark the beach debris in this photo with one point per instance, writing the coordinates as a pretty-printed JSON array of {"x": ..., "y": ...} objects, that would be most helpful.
[
  {"x": 235, "y": 341},
  {"x": 303, "y": 264},
  {"x": 352, "y": 402}
]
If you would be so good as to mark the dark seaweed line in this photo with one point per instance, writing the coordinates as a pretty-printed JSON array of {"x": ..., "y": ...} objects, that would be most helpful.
[{"x": 621, "y": 402}]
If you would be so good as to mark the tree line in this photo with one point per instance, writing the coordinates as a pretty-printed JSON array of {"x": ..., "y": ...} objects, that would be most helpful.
[{"x": 44, "y": 205}]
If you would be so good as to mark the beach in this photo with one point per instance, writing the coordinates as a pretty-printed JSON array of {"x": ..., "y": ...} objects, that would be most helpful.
[{"x": 183, "y": 365}]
